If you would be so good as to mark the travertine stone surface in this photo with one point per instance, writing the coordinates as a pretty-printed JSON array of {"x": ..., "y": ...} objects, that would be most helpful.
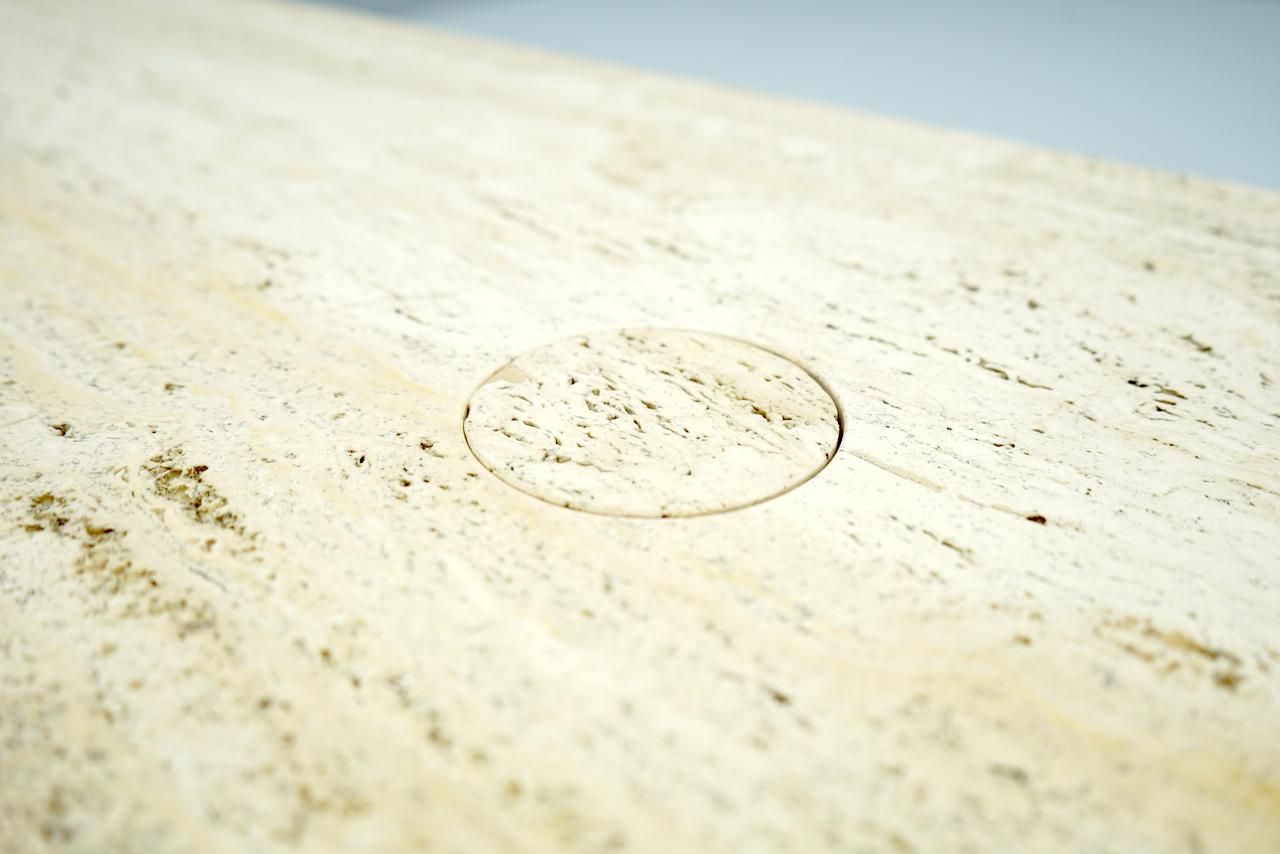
[
  {"x": 652, "y": 423},
  {"x": 257, "y": 594}
]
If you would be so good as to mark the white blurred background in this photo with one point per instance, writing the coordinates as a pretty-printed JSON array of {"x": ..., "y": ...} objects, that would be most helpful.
[{"x": 1188, "y": 86}]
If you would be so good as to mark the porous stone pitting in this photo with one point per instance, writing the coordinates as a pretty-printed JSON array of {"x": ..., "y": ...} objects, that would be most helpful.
[{"x": 652, "y": 422}]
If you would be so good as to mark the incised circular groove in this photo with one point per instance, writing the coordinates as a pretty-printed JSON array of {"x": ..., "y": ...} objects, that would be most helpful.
[{"x": 652, "y": 423}]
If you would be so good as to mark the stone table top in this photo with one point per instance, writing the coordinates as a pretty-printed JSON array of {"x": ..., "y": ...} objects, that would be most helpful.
[{"x": 930, "y": 499}]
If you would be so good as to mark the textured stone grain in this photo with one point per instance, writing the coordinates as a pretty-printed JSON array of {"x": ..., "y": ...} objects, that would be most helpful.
[{"x": 257, "y": 594}]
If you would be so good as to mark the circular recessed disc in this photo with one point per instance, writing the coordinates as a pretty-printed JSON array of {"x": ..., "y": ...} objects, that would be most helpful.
[{"x": 652, "y": 423}]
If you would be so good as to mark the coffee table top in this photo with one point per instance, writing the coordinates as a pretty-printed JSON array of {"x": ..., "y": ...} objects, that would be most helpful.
[{"x": 996, "y": 568}]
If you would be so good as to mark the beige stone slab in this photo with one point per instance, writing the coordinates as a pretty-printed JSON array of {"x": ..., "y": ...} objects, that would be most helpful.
[{"x": 257, "y": 593}]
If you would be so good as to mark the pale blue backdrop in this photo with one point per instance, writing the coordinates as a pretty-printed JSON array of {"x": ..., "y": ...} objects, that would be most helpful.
[{"x": 1184, "y": 85}]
